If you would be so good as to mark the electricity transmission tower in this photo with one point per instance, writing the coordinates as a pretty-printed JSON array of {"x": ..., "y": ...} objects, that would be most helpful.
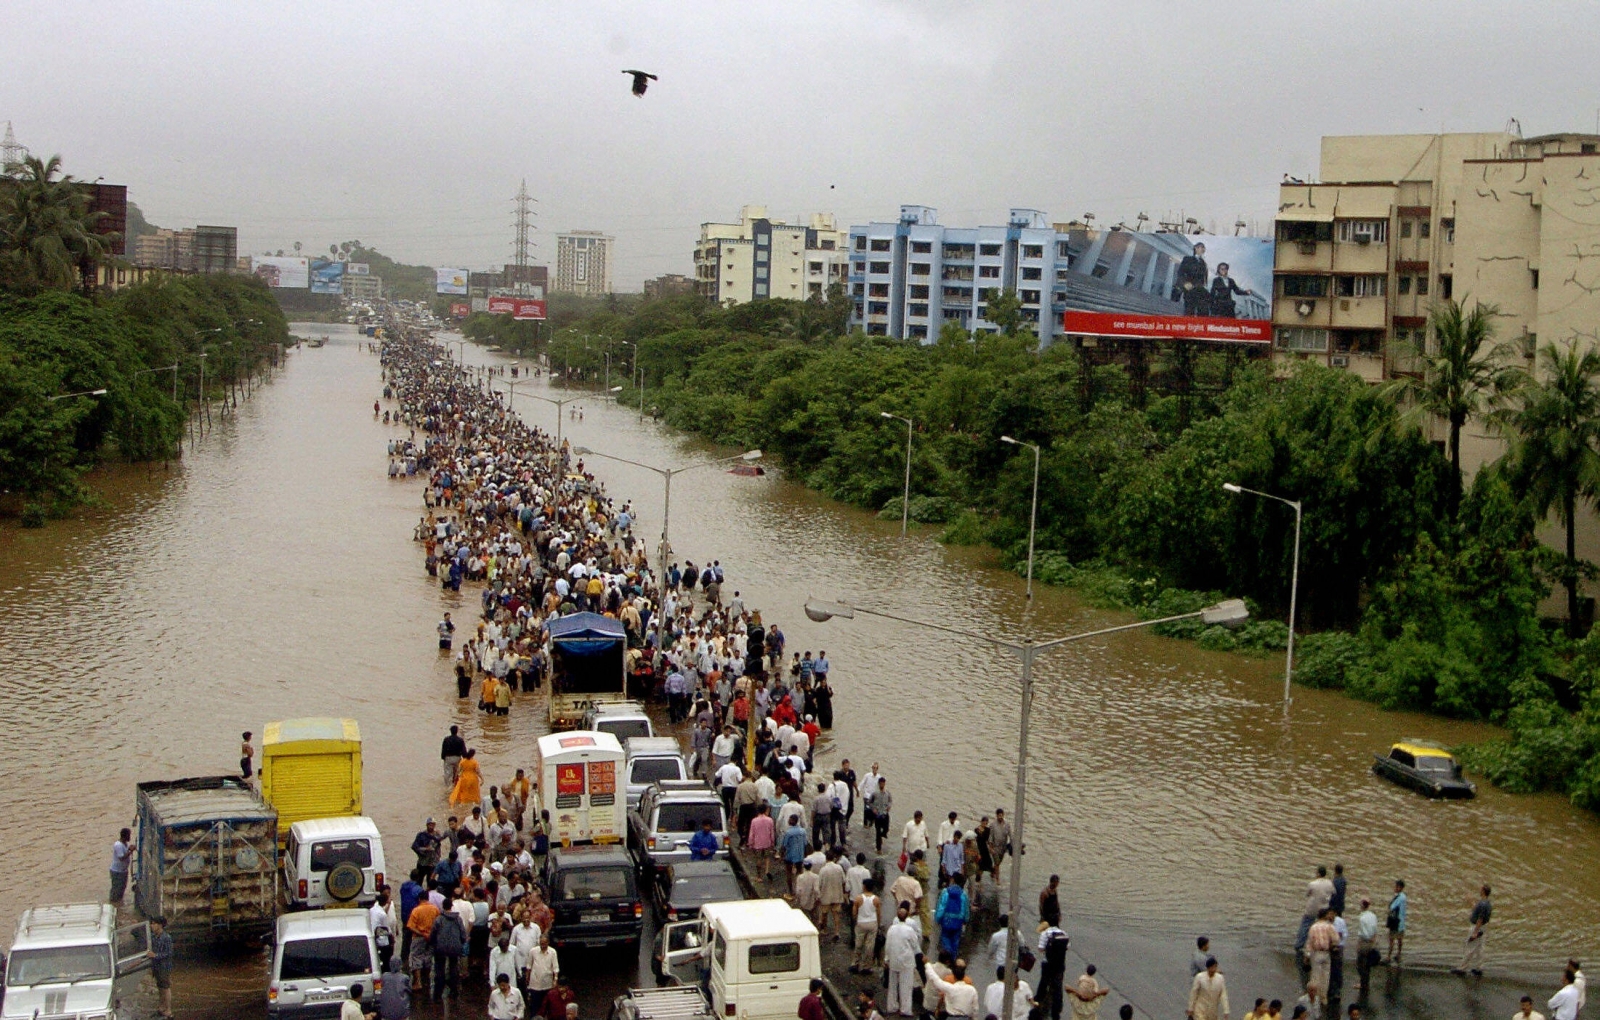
[
  {"x": 12, "y": 153},
  {"x": 524, "y": 225}
]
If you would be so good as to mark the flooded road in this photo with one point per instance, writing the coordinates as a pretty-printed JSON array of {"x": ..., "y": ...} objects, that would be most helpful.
[{"x": 273, "y": 576}]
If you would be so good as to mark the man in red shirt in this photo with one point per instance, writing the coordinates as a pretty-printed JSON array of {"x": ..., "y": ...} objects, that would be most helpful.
[{"x": 811, "y": 1007}]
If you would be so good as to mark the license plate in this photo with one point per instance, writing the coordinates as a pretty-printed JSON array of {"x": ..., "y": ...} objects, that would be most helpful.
[
  {"x": 328, "y": 995},
  {"x": 595, "y": 918}
]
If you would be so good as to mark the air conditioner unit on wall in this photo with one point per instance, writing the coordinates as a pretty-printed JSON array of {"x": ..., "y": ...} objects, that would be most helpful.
[
  {"x": 1305, "y": 308},
  {"x": 1340, "y": 361},
  {"x": 1308, "y": 247}
]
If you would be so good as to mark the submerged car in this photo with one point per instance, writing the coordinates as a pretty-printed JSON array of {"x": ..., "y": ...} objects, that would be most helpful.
[{"x": 1426, "y": 768}]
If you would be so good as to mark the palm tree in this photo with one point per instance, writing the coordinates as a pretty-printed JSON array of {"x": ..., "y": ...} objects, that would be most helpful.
[
  {"x": 1553, "y": 424},
  {"x": 1460, "y": 378},
  {"x": 46, "y": 228}
]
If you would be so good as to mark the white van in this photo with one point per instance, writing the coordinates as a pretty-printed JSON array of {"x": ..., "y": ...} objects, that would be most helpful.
[
  {"x": 757, "y": 957},
  {"x": 578, "y": 775},
  {"x": 622, "y": 719},
  {"x": 333, "y": 862},
  {"x": 651, "y": 760},
  {"x": 64, "y": 961},
  {"x": 316, "y": 957}
]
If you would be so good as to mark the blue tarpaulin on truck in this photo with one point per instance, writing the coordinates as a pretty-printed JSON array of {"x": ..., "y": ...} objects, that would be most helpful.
[{"x": 586, "y": 633}]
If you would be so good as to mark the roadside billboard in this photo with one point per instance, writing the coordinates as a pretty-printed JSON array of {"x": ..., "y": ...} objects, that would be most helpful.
[
  {"x": 358, "y": 268},
  {"x": 1167, "y": 286},
  {"x": 327, "y": 277},
  {"x": 517, "y": 307},
  {"x": 287, "y": 272},
  {"x": 449, "y": 281},
  {"x": 460, "y": 309}
]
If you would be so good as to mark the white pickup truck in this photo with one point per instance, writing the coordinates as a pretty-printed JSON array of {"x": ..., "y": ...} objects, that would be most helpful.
[
  {"x": 65, "y": 960},
  {"x": 753, "y": 959}
]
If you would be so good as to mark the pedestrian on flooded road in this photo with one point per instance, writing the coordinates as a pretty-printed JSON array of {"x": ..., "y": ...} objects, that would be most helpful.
[
  {"x": 762, "y": 840},
  {"x": 994, "y": 997},
  {"x": 811, "y": 1007},
  {"x": 451, "y": 751},
  {"x": 865, "y": 931},
  {"x": 1319, "y": 893},
  {"x": 1050, "y": 902},
  {"x": 999, "y": 841},
  {"x": 1366, "y": 944},
  {"x": 247, "y": 756},
  {"x": 901, "y": 947},
  {"x": 447, "y": 633},
  {"x": 161, "y": 953},
  {"x": 831, "y": 896},
  {"x": 1396, "y": 922},
  {"x": 914, "y": 837},
  {"x": 807, "y": 890},
  {"x": 1053, "y": 946},
  {"x": 1208, "y": 994},
  {"x": 954, "y": 909},
  {"x": 880, "y": 804},
  {"x": 1478, "y": 919},
  {"x": 121, "y": 852},
  {"x": 1087, "y": 995},
  {"x": 1527, "y": 1012},
  {"x": 1564, "y": 1004},
  {"x": 1321, "y": 941},
  {"x": 468, "y": 779},
  {"x": 794, "y": 850}
]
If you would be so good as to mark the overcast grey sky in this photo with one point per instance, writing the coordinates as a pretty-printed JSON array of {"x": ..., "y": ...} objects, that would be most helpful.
[{"x": 409, "y": 125}]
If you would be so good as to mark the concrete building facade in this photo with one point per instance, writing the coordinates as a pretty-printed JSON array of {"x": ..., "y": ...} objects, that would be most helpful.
[
  {"x": 584, "y": 263},
  {"x": 669, "y": 285},
  {"x": 202, "y": 249},
  {"x": 759, "y": 258},
  {"x": 909, "y": 277}
]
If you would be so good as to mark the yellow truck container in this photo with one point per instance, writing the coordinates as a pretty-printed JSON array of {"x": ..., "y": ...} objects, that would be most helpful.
[{"x": 311, "y": 768}]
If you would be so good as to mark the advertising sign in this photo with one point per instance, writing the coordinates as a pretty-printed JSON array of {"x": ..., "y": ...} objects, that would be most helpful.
[
  {"x": 569, "y": 779},
  {"x": 1168, "y": 286},
  {"x": 502, "y": 305},
  {"x": 449, "y": 281},
  {"x": 602, "y": 777},
  {"x": 327, "y": 277},
  {"x": 280, "y": 271},
  {"x": 358, "y": 269},
  {"x": 517, "y": 307},
  {"x": 460, "y": 309}
]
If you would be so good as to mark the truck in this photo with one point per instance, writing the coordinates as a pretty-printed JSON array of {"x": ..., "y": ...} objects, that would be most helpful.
[
  {"x": 577, "y": 778},
  {"x": 206, "y": 858},
  {"x": 65, "y": 960},
  {"x": 588, "y": 666},
  {"x": 311, "y": 768},
  {"x": 753, "y": 959}
]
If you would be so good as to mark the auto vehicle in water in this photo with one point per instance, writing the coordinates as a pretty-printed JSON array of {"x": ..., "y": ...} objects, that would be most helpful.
[{"x": 1426, "y": 768}]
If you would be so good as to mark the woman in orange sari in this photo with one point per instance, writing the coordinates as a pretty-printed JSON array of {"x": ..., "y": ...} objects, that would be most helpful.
[{"x": 468, "y": 789}]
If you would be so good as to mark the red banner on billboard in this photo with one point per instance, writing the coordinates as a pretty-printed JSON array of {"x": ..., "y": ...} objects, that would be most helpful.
[
  {"x": 460, "y": 309},
  {"x": 517, "y": 307},
  {"x": 1167, "y": 327},
  {"x": 569, "y": 778}
]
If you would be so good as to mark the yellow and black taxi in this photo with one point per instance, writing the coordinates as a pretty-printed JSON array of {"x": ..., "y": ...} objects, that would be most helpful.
[{"x": 1426, "y": 768}]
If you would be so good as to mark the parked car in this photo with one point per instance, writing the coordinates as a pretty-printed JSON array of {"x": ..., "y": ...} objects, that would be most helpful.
[
  {"x": 681, "y": 889},
  {"x": 651, "y": 760},
  {"x": 594, "y": 893},
  {"x": 65, "y": 960},
  {"x": 669, "y": 813},
  {"x": 316, "y": 957},
  {"x": 1426, "y": 768},
  {"x": 333, "y": 862},
  {"x": 621, "y": 719}
]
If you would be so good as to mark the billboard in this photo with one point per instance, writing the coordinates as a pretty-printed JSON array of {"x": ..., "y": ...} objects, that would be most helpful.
[
  {"x": 517, "y": 307},
  {"x": 289, "y": 272},
  {"x": 358, "y": 268},
  {"x": 327, "y": 277},
  {"x": 1167, "y": 286},
  {"x": 450, "y": 281},
  {"x": 460, "y": 309}
]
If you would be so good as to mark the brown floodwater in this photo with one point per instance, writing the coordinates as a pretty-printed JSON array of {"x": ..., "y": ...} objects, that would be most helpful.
[{"x": 272, "y": 575}]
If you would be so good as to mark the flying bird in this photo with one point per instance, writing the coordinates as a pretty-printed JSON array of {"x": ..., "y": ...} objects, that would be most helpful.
[{"x": 641, "y": 81}]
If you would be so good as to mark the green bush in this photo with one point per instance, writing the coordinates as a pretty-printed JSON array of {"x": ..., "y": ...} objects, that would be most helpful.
[
  {"x": 1325, "y": 659},
  {"x": 966, "y": 529}
]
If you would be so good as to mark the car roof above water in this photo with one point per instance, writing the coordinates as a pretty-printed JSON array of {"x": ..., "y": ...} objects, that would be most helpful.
[
  {"x": 312, "y": 924},
  {"x": 64, "y": 924}
]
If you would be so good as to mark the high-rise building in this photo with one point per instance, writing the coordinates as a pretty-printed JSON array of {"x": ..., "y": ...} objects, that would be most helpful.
[
  {"x": 584, "y": 261},
  {"x": 759, "y": 258},
  {"x": 200, "y": 250},
  {"x": 909, "y": 277},
  {"x": 1398, "y": 223}
]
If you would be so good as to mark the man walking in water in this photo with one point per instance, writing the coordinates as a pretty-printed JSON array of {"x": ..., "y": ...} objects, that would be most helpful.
[
  {"x": 451, "y": 751},
  {"x": 447, "y": 631},
  {"x": 1479, "y": 920}
]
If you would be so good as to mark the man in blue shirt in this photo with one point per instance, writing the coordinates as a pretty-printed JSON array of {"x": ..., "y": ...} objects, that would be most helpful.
[
  {"x": 793, "y": 845},
  {"x": 954, "y": 909},
  {"x": 703, "y": 845},
  {"x": 411, "y": 893}
]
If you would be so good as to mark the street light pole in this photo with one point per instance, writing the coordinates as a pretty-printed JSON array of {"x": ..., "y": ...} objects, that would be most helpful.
[
  {"x": 559, "y": 405},
  {"x": 1294, "y": 581},
  {"x": 905, "y": 496},
  {"x": 1033, "y": 514},
  {"x": 1231, "y": 612},
  {"x": 80, "y": 393},
  {"x": 666, "y": 501}
]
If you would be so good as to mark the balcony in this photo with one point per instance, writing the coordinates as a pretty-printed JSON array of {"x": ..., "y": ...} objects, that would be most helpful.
[
  {"x": 1304, "y": 256},
  {"x": 1358, "y": 312},
  {"x": 963, "y": 273}
]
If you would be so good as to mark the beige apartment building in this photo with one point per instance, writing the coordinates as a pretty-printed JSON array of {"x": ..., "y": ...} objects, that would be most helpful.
[
  {"x": 759, "y": 258},
  {"x": 1399, "y": 222},
  {"x": 584, "y": 263}
]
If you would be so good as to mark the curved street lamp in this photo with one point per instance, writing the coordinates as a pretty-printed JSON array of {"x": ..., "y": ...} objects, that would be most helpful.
[
  {"x": 1033, "y": 515},
  {"x": 905, "y": 498},
  {"x": 1294, "y": 580}
]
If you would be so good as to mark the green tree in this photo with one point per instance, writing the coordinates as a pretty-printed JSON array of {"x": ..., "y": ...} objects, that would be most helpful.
[
  {"x": 46, "y": 229},
  {"x": 1460, "y": 378},
  {"x": 1004, "y": 310},
  {"x": 1553, "y": 423}
]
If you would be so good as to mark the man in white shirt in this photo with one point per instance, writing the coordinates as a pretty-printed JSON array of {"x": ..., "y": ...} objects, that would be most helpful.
[
  {"x": 900, "y": 948},
  {"x": 994, "y": 995},
  {"x": 960, "y": 998},
  {"x": 915, "y": 835},
  {"x": 543, "y": 969},
  {"x": 949, "y": 827},
  {"x": 866, "y": 788},
  {"x": 505, "y": 1002},
  {"x": 729, "y": 776},
  {"x": 506, "y": 960},
  {"x": 723, "y": 747},
  {"x": 525, "y": 936},
  {"x": 1564, "y": 1004}
]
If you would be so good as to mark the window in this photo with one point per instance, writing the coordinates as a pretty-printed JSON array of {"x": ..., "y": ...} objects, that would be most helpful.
[
  {"x": 878, "y": 290},
  {"x": 922, "y": 247},
  {"x": 775, "y": 958},
  {"x": 648, "y": 770},
  {"x": 877, "y": 329},
  {"x": 814, "y": 267},
  {"x": 1405, "y": 228},
  {"x": 1424, "y": 229},
  {"x": 1422, "y": 286},
  {"x": 593, "y": 884},
  {"x": 761, "y": 289},
  {"x": 921, "y": 269},
  {"x": 761, "y": 255},
  {"x": 1359, "y": 286},
  {"x": 61, "y": 964},
  {"x": 1364, "y": 231},
  {"x": 761, "y": 274},
  {"x": 861, "y": 244},
  {"x": 1534, "y": 274},
  {"x": 918, "y": 310},
  {"x": 1358, "y": 341},
  {"x": 827, "y": 246},
  {"x": 919, "y": 290},
  {"x": 1304, "y": 232},
  {"x": 327, "y": 856},
  {"x": 682, "y": 817},
  {"x": 880, "y": 244},
  {"x": 1305, "y": 286},
  {"x": 858, "y": 289},
  {"x": 855, "y": 267},
  {"x": 1405, "y": 285},
  {"x": 1033, "y": 251},
  {"x": 878, "y": 308},
  {"x": 1298, "y": 338},
  {"x": 1586, "y": 148},
  {"x": 1030, "y": 297},
  {"x": 1447, "y": 286},
  {"x": 1449, "y": 228},
  {"x": 306, "y": 959},
  {"x": 988, "y": 249},
  {"x": 878, "y": 267},
  {"x": 1032, "y": 273},
  {"x": 1059, "y": 297},
  {"x": 1062, "y": 251},
  {"x": 916, "y": 332},
  {"x": 958, "y": 251},
  {"x": 989, "y": 272},
  {"x": 1062, "y": 274},
  {"x": 956, "y": 314}
]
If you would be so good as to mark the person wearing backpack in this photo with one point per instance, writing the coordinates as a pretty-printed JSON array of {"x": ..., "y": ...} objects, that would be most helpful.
[
  {"x": 449, "y": 941},
  {"x": 954, "y": 909},
  {"x": 1053, "y": 943}
]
